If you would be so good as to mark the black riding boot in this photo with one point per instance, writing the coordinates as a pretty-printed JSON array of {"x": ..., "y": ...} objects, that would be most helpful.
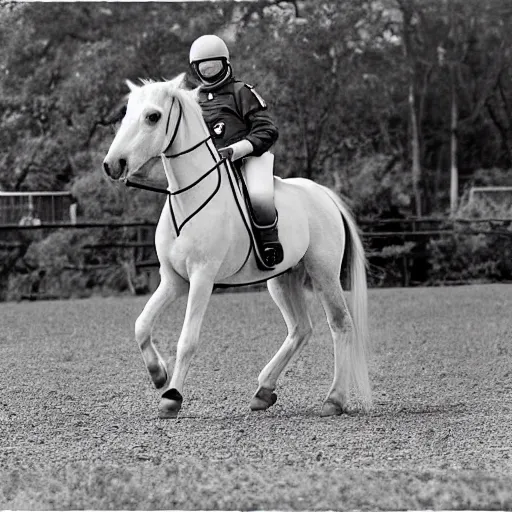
[{"x": 271, "y": 248}]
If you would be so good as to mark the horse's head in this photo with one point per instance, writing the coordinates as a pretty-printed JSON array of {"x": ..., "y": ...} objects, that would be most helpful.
[{"x": 146, "y": 128}]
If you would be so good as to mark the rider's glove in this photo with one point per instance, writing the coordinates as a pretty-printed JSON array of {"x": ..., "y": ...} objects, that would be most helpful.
[
  {"x": 226, "y": 153},
  {"x": 237, "y": 150}
]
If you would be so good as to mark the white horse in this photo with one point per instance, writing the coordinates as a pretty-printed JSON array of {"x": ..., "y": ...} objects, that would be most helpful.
[{"x": 202, "y": 241}]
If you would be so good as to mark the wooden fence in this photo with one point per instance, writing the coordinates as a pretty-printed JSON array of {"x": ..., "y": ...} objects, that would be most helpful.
[{"x": 386, "y": 241}]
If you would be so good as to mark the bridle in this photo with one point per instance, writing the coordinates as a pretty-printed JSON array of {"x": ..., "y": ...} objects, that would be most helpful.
[{"x": 164, "y": 156}]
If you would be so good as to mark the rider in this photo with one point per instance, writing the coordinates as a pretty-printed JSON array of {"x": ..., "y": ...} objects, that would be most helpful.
[{"x": 241, "y": 128}]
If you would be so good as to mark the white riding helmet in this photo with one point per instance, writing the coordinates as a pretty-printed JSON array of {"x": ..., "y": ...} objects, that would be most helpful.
[{"x": 209, "y": 60}]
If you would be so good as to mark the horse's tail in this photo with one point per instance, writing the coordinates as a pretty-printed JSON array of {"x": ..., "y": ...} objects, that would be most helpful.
[{"x": 356, "y": 262}]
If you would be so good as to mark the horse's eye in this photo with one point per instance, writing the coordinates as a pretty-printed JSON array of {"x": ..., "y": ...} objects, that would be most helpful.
[{"x": 154, "y": 118}]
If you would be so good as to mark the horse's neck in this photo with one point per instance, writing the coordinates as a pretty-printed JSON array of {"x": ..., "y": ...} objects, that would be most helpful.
[{"x": 191, "y": 166}]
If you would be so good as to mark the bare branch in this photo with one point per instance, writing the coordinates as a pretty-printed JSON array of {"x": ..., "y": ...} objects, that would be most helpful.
[
  {"x": 504, "y": 131},
  {"x": 489, "y": 87},
  {"x": 503, "y": 96}
]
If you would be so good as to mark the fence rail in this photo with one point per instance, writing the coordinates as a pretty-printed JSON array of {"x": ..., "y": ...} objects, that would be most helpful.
[
  {"x": 81, "y": 225},
  {"x": 133, "y": 249},
  {"x": 412, "y": 221}
]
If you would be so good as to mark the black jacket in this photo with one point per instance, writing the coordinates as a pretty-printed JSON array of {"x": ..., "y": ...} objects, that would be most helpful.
[{"x": 235, "y": 111}]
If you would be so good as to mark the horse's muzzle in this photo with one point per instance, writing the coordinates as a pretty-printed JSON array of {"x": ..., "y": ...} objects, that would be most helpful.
[{"x": 115, "y": 169}]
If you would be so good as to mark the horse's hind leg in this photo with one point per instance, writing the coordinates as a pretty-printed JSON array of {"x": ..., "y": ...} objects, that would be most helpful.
[
  {"x": 341, "y": 326},
  {"x": 288, "y": 293},
  {"x": 170, "y": 288},
  {"x": 328, "y": 287}
]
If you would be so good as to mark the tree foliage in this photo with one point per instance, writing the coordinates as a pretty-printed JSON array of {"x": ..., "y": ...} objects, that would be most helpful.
[{"x": 337, "y": 76}]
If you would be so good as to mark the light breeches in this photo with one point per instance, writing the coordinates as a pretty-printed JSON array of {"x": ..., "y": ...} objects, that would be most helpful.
[{"x": 258, "y": 173}]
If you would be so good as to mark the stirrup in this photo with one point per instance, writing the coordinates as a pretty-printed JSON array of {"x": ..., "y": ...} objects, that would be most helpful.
[
  {"x": 272, "y": 254},
  {"x": 269, "y": 247}
]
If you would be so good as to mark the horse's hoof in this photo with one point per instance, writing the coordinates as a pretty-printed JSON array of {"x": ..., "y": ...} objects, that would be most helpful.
[
  {"x": 263, "y": 399},
  {"x": 158, "y": 375},
  {"x": 170, "y": 404},
  {"x": 330, "y": 408}
]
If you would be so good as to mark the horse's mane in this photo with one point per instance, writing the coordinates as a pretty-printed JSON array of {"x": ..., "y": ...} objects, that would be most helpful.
[
  {"x": 146, "y": 81},
  {"x": 189, "y": 98}
]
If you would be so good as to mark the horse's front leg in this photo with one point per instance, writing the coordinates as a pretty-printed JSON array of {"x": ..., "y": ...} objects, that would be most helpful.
[
  {"x": 170, "y": 288},
  {"x": 201, "y": 287}
]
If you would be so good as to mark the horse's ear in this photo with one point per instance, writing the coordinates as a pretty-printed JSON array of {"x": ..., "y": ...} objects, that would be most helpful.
[
  {"x": 131, "y": 85},
  {"x": 178, "y": 82},
  {"x": 195, "y": 93}
]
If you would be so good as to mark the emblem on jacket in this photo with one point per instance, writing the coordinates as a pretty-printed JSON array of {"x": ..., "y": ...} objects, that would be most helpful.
[{"x": 219, "y": 128}]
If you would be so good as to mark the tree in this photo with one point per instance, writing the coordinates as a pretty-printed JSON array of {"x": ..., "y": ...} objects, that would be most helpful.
[
  {"x": 345, "y": 81},
  {"x": 64, "y": 67}
]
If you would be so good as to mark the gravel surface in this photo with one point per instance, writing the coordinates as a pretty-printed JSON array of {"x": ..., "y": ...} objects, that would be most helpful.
[{"x": 79, "y": 425}]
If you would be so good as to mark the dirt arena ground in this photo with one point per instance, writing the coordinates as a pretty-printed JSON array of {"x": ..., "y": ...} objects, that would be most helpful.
[{"x": 79, "y": 425}]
